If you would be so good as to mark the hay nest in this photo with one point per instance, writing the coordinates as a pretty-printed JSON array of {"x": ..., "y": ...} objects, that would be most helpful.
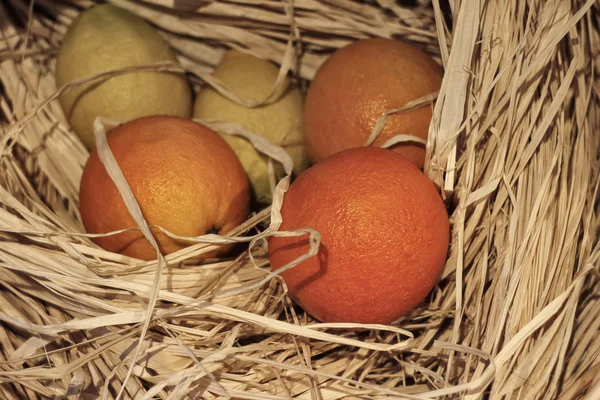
[{"x": 513, "y": 147}]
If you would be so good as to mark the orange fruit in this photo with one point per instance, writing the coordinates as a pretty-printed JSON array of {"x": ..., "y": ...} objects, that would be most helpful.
[
  {"x": 359, "y": 83},
  {"x": 385, "y": 236},
  {"x": 185, "y": 178}
]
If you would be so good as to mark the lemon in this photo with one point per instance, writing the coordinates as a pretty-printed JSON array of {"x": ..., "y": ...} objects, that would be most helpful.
[
  {"x": 280, "y": 121},
  {"x": 106, "y": 38}
]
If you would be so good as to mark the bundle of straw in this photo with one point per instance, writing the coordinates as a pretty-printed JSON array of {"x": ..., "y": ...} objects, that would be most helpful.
[{"x": 513, "y": 147}]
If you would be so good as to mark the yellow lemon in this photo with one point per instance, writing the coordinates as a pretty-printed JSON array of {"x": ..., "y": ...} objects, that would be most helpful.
[
  {"x": 280, "y": 121},
  {"x": 106, "y": 38}
]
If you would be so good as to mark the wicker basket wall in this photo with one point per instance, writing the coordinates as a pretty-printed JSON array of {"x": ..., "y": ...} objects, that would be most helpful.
[{"x": 513, "y": 148}]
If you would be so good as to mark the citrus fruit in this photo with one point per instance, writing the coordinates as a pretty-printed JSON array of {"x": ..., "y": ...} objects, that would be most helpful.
[
  {"x": 280, "y": 120},
  {"x": 385, "y": 236},
  {"x": 106, "y": 38},
  {"x": 360, "y": 82},
  {"x": 184, "y": 176}
]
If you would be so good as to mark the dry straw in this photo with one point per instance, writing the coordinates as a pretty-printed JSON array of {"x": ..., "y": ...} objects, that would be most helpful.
[{"x": 513, "y": 146}]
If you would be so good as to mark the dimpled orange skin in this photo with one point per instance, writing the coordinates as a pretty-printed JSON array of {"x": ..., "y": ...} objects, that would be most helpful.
[
  {"x": 360, "y": 82},
  {"x": 184, "y": 176},
  {"x": 385, "y": 235}
]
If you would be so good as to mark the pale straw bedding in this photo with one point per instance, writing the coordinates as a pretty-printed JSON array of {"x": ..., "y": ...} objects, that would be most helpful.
[{"x": 513, "y": 146}]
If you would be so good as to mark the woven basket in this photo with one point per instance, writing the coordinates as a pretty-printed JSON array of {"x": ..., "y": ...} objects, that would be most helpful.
[{"x": 513, "y": 147}]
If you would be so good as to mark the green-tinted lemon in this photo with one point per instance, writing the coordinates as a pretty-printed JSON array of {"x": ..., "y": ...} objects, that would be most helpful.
[
  {"x": 280, "y": 121},
  {"x": 106, "y": 38}
]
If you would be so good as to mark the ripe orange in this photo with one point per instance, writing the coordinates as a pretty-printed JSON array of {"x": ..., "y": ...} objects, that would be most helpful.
[
  {"x": 359, "y": 83},
  {"x": 184, "y": 176},
  {"x": 385, "y": 235}
]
